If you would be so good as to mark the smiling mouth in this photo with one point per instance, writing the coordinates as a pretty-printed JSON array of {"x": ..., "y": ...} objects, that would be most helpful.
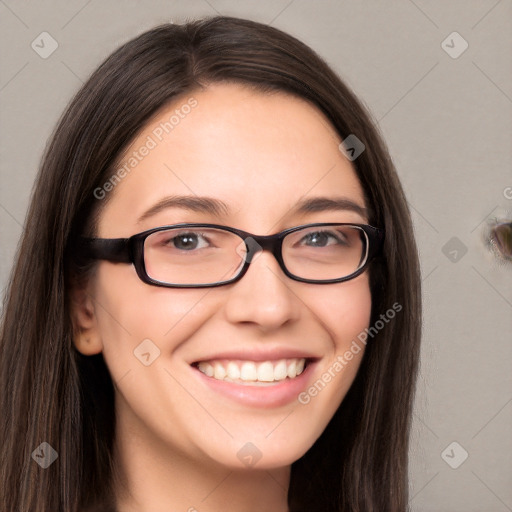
[{"x": 251, "y": 372}]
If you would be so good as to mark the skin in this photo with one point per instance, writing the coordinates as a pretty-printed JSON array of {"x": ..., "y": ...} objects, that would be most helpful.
[{"x": 177, "y": 441}]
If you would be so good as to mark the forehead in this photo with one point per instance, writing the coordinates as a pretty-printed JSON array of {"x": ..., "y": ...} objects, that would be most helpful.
[{"x": 258, "y": 153}]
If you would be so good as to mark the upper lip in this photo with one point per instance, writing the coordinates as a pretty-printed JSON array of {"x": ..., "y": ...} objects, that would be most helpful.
[{"x": 259, "y": 354}]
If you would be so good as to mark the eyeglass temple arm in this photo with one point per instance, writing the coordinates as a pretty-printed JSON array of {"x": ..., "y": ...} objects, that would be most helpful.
[{"x": 116, "y": 249}]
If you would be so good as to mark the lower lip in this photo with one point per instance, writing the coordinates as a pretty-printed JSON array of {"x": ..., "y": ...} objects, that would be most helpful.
[{"x": 266, "y": 397}]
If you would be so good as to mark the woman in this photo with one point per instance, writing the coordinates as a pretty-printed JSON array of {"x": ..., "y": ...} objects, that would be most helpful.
[{"x": 151, "y": 365}]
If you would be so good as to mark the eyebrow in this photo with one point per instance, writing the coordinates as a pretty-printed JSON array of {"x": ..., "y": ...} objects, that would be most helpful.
[
  {"x": 197, "y": 204},
  {"x": 218, "y": 208}
]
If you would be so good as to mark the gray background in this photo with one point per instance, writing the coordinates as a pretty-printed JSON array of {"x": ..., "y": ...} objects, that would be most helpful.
[{"x": 448, "y": 125}]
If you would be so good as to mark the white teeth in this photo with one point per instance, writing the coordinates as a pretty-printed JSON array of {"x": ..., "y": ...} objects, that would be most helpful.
[
  {"x": 233, "y": 370},
  {"x": 280, "y": 371},
  {"x": 219, "y": 371},
  {"x": 206, "y": 368},
  {"x": 292, "y": 369},
  {"x": 266, "y": 372},
  {"x": 251, "y": 372},
  {"x": 248, "y": 372}
]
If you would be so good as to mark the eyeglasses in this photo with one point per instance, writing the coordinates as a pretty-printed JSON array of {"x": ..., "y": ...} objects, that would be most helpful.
[{"x": 205, "y": 255}]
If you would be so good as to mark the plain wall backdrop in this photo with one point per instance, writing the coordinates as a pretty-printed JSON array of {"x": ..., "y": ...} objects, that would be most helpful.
[{"x": 437, "y": 77}]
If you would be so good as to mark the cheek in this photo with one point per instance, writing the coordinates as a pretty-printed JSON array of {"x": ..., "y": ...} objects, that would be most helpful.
[
  {"x": 344, "y": 310},
  {"x": 130, "y": 313}
]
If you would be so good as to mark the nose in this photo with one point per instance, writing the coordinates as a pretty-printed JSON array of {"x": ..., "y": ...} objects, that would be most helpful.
[{"x": 263, "y": 296}]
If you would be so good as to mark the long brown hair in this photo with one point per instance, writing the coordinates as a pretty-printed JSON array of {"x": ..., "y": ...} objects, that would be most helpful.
[{"x": 51, "y": 393}]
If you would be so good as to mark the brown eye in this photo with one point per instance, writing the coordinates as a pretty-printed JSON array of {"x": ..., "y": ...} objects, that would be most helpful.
[{"x": 501, "y": 238}]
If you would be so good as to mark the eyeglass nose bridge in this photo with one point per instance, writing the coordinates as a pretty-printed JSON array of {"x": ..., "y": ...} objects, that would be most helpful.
[{"x": 254, "y": 245}]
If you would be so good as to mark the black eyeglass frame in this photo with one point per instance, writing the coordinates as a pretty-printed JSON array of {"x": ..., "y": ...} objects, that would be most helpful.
[{"x": 131, "y": 250}]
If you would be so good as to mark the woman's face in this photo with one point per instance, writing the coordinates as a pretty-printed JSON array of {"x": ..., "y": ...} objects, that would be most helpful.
[{"x": 260, "y": 155}]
